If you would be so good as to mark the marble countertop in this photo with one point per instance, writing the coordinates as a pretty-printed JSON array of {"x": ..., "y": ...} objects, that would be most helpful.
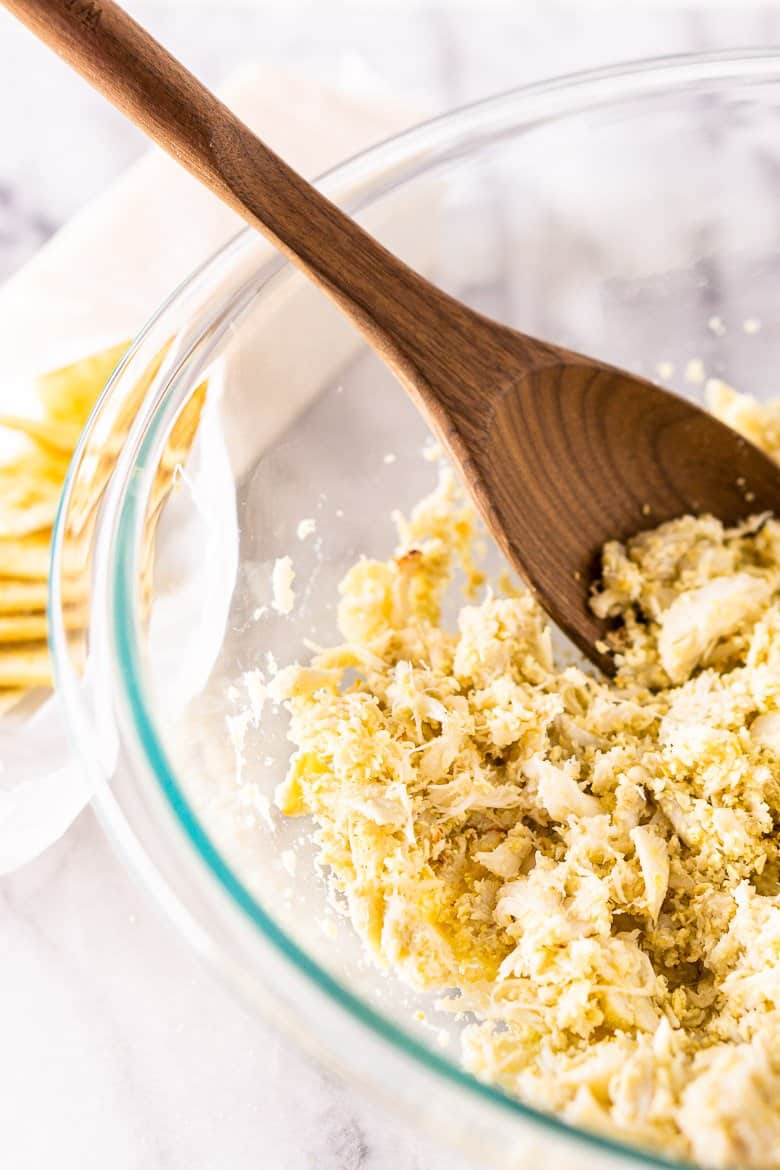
[{"x": 118, "y": 1048}]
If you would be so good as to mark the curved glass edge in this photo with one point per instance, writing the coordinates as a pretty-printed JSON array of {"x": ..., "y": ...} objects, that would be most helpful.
[{"x": 655, "y": 74}]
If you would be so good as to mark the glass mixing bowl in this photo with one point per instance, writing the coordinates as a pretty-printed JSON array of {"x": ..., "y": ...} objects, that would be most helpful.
[{"x": 629, "y": 213}]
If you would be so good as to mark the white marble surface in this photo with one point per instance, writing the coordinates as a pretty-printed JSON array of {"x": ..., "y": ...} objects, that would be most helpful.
[{"x": 117, "y": 1048}]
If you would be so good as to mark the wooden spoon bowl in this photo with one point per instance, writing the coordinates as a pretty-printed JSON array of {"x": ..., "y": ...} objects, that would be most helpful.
[{"x": 561, "y": 452}]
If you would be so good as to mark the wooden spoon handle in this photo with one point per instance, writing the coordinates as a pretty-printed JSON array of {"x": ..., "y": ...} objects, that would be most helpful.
[{"x": 121, "y": 60}]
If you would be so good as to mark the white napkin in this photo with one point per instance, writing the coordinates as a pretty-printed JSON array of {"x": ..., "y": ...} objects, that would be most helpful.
[{"x": 93, "y": 285}]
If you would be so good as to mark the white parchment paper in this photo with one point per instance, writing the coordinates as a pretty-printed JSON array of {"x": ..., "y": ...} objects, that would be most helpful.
[{"x": 93, "y": 285}]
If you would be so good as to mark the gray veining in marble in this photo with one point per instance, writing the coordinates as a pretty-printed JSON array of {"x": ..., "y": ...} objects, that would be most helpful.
[{"x": 118, "y": 1049}]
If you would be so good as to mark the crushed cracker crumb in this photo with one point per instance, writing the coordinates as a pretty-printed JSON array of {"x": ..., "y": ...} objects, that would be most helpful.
[
  {"x": 306, "y": 528},
  {"x": 282, "y": 578},
  {"x": 695, "y": 372}
]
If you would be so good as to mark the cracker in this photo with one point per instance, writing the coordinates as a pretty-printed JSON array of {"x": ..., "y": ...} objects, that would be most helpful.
[
  {"x": 60, "y": 436},
  {"x": 25, "y": 597},
  {"x": 25, "y": 557},
  {"x": 68, "y": 394},
  {"x": 9, "y": 698},
  {"x": 27, "y": 666},
  {"x": 34, "y": 627}
]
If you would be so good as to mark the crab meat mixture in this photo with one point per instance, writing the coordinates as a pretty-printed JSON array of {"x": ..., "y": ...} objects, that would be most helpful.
[{"x": 587, "y": 870}]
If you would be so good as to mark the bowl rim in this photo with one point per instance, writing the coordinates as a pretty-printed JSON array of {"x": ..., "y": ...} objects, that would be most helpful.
[{"x": 606, "y": 85}]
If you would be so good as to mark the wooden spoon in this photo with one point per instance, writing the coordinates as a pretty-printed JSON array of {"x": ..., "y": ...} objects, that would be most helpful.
[{"x": 561, "y": 452}]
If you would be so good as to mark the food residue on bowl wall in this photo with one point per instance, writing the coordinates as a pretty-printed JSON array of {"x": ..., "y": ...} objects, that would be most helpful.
[{"x": 282, "y": 578}]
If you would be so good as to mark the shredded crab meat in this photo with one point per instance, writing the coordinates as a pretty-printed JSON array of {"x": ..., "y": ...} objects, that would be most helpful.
[{"x": 590, "y": 869}]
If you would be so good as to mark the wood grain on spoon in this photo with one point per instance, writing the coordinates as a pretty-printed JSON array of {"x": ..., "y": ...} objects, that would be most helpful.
[{"x": 560, "y": 451}]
